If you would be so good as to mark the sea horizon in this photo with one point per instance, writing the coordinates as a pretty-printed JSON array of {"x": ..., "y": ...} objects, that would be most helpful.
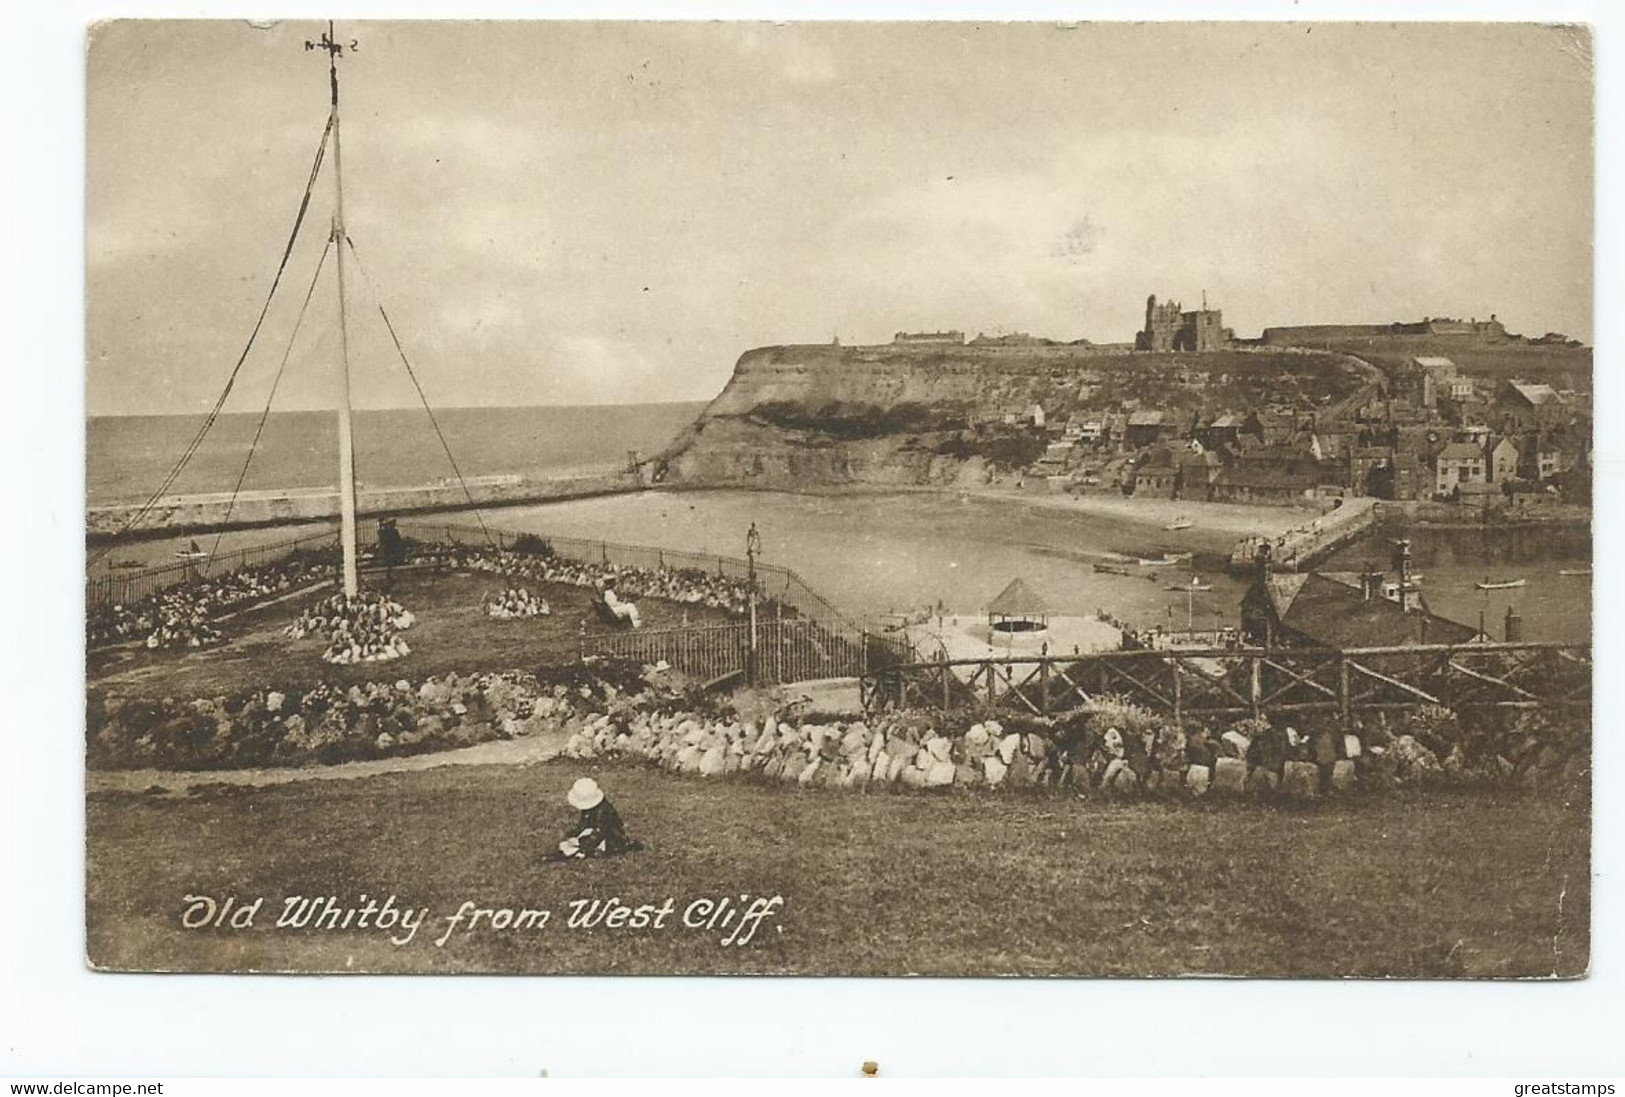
[
  {"x": 128, "y": 456},
  {"x": 89, "y": 415}
]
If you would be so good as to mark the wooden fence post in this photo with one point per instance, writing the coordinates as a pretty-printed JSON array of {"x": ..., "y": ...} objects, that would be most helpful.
[
  {"x": 1256, "y": 692},
  {"x": 1345, "y": 709},
  {"x": 1179, "y": 712}
]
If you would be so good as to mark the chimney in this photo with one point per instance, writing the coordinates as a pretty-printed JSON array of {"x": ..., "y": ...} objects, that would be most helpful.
[
  {"x": 1371, "y": 583},
  {"x": 1261, "y": 561},
  {"x": 1513, "y": 627},
  {"x": 1402, "y": 565}
]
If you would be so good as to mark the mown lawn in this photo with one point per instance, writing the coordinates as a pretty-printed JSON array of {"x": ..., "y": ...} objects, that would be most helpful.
[
  {"x": 452, "y": 633},
  {"x": 1449, "y": 884}
]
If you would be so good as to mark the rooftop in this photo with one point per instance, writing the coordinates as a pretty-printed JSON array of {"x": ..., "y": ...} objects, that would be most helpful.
[
  {"x": 1017, "y": 600},
  {"x": 1338, "y": 614},
  {"x": 1535, "y": 394}
]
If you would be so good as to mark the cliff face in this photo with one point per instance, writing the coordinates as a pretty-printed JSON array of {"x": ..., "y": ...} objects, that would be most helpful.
[{"x": 799, "y": 416}]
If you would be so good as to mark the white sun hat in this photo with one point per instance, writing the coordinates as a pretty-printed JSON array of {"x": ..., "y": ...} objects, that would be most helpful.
[{"x": 585, "y": 794}]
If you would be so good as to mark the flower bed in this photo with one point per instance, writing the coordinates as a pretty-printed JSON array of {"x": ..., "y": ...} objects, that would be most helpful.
[
  {"x": 365, "y": 628},
  {"x": 689, "y": 586},
  {"x": 184, "y": 615},
  {"x": 516, "y": 602}
]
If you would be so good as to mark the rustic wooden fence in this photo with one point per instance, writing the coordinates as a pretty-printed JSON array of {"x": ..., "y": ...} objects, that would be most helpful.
[{"x": 1236, "y": 682}]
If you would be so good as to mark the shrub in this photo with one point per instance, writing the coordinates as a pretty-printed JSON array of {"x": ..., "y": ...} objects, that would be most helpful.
[{"x": 530, "y": 544}]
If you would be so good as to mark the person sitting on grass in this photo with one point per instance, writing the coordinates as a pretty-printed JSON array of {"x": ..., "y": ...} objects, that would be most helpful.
[
  {"x": 621, "y": 610},
  {"x": 599, "y": 831}
]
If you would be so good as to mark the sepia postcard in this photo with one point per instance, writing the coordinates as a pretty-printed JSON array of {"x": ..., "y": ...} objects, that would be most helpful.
[{"x": 932, "y": 498}]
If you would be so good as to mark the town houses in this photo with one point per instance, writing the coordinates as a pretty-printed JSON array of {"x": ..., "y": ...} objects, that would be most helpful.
[
  {"x": 1191, "y": 412},
  {"x": 1433, "y": 432}
]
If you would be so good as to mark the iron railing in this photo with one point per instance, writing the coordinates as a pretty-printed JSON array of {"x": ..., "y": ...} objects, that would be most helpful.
[
  {"x": 125, "y": 588},
  {"x": 772, "y": 581}
]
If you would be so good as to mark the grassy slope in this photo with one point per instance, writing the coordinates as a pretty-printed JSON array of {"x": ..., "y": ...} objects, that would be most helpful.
[
  {"x": 1563, "y": 367},
  {"x": 1449, "y": 885}
]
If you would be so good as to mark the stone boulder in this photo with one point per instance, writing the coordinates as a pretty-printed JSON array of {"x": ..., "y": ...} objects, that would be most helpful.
[
  {"x": 713, "y": 761},
  {"x": 994, "y": 770},
  {"x": 1229, "y": 777},
  {"x": 1301, "y": 780}
]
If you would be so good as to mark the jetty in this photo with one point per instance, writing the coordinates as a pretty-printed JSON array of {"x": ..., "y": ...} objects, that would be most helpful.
[{"x": 1302, "y": 547}]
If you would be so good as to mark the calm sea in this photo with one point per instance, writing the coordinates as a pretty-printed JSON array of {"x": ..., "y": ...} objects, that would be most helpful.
[{"x": 127, "y": 457}]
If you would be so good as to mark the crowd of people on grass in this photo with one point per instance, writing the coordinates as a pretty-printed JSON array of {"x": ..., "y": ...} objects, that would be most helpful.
[
  {"x": 184, "y": 615},
  {"x": 515, "y": 602},
  {"x": 364, "y": 629}
]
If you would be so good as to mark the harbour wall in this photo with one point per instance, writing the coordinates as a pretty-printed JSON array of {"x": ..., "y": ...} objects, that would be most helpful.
[
  {"x": 196, "y": 513},
  {"x": 1302, "y": 548}
]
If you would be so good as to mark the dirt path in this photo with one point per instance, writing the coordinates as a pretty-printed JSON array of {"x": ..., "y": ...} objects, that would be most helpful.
[{"x": 502, "y": 752}]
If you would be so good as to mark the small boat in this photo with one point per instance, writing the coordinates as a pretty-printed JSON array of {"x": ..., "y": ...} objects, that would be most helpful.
[
  {"x": 1194, "y": 585},
  {"x": 126, "y": 565},
  {"x": 1574, "y": 571},
  {"x": 1179, "y": 523},
  {"x": 1111, "y": 569},
  {"x": 1499, "y": 584},
  {"x": 189, "y": 555},
  {"x": 1160, "y": 562}
]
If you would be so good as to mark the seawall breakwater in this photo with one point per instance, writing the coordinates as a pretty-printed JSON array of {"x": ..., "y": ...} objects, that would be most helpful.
[{"x": 189, "y": 513}]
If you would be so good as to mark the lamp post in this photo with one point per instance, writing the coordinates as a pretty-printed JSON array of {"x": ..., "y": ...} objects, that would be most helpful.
[{"x": 753, "y": 545}]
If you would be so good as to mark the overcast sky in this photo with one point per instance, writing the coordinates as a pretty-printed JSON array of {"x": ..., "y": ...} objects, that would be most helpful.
[{"x": 564, "y": 213}]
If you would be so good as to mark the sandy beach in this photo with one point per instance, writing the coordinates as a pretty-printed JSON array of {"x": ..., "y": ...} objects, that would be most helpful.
[{"x": 1234, "y": 520}]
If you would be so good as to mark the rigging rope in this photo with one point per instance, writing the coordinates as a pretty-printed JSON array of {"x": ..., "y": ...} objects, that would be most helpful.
[
  {"x": 214, "y": 412},
  {"x": 378, "y": 300},
  {"x": 266, "y": 413}
]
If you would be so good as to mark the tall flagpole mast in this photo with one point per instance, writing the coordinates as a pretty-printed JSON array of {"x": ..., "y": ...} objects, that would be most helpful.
[{"x": 346, "y": 437}]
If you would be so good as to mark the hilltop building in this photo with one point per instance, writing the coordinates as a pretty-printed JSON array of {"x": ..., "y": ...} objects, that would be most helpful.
[
  {"x": 929, "y": 338},
  {"x": 1169, "y": 328},
  {"x": 1489, "y": 331}
]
